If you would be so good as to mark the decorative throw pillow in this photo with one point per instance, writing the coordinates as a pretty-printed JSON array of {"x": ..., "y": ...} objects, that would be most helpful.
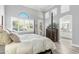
[
  {"x": 4, "y": 38},
  {"x": 14, "y": 37},
  {"x": 8, "y": 31}
]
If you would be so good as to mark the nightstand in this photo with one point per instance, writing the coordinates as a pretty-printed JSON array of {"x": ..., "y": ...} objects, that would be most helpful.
[{"x": 52, "y": 34}]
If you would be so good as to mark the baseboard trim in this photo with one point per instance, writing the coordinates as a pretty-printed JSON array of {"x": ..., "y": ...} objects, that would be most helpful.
[{"x": 75, "y": 45}]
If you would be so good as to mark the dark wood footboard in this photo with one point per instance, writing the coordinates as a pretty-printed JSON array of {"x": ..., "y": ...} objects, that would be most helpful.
[{"x": 46, "y": 52}]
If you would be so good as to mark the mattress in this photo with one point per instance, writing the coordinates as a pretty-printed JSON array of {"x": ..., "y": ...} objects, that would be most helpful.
[{"x": 30, "y": 44}]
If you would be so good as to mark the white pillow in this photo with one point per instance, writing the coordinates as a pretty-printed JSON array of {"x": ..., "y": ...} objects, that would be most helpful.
[{"x": 14, "y": 37}]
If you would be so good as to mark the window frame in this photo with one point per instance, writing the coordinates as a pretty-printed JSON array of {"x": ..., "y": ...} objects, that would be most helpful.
[{"x": 16, "y": 19}]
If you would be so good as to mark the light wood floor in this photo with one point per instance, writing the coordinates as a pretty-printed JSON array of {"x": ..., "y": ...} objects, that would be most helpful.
[{"x": 64, "y": 46}]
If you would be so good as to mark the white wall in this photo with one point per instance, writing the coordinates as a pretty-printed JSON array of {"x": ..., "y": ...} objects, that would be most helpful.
[
  {"x": 1, "y": 10},
  {"x": 75, "y": 24},
  {"x": 14, "y": 10}
]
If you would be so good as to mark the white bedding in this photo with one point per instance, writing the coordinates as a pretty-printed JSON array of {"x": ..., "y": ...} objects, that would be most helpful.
[{"x": 30, "y": 44}]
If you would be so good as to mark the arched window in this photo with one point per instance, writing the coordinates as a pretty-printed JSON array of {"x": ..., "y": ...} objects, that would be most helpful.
[
  {"x": 22, "y": 23},
  {"x": 24, "y": 15}
]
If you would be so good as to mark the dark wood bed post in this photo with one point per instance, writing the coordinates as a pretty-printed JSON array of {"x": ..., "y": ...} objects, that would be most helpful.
[
  {"x": 2, "y": 21},
  {"x": 51, "y": 20}
]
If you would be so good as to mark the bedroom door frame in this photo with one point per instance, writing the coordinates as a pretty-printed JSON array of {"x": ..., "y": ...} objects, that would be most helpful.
[{"x": 60, "y": 27}]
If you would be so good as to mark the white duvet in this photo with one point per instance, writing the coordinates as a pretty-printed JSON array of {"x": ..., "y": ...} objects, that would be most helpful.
[{"x": 30, "y": 44}]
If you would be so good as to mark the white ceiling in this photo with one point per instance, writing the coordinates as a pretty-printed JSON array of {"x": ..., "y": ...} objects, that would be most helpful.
[{"x": 40, "y": 7}]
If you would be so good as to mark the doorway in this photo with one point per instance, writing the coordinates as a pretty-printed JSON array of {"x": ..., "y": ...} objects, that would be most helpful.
[{"x": 65, "y": 27}]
